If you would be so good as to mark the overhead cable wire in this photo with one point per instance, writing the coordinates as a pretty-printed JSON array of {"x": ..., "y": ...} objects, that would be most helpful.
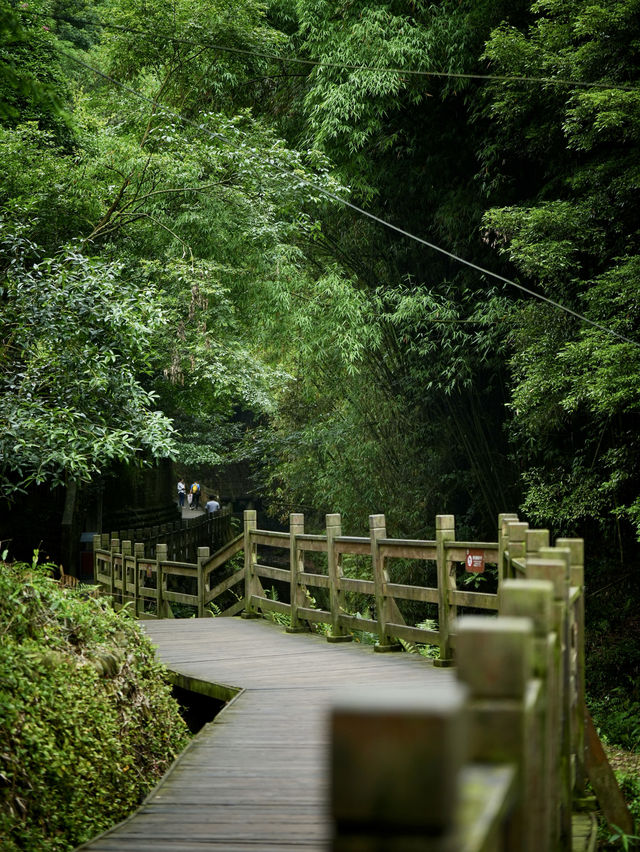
[
  {"x": 361, "y": 211},
  {"x": 319, "y": 63}
]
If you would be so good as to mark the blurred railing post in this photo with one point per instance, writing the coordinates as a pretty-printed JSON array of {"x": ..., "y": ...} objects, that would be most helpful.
[
  {"x": 533, "y": 599},
  {"x": 494, "y": 658},
  {"x": 396, "y": 757}
]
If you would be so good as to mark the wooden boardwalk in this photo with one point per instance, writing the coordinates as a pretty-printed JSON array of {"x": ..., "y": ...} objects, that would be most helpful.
[{"x": 256, "y": 777}]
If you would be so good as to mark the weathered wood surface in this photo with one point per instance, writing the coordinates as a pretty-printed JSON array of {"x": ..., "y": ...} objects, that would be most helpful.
[{"x": 256, "y": 778}]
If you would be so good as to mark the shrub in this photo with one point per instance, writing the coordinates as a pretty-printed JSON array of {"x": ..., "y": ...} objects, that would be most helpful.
[{"x": 87, "y": 721}]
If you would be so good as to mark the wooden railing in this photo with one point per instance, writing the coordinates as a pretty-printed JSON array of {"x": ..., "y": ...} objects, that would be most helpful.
[
  {"x": 519, "y": 705},
  {"x": 493, "y": 763},
  {"x": 314, "y": 562},
  {"x": 151, "y": 578},
  {"x": 388, "y": 624},
  {"x": 139, "y": 517},
  {"x": 182, "y": 537}
]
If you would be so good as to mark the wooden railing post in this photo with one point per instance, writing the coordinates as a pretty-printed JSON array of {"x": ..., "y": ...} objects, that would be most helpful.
[
  {"x": 494, "y": 658},
  {"x": 445, "y": 531},
  {"x": 576, "y": 652},
  {"x": 163, "y": 609},
  {"x": 127, "y": 548},
  {"x": 203, "y": 555},
  {"x": 534, "y": 541},
  {"x": 533, "y": 599},
  {"x": 138, "y": 551},
  {"x": 378, "y": 530},
  {"x": 553, "y": 564},
  {"x": 395, "y": 763},
  {"x": 515, "y": 546},
  {"x": 114, "y": 550},
  {"x": 296, "y": 565},
  {"x": 336, "y": 595},
  {"x": 563, "y": 555},
  {"x": 504, "y": 520},
  {"x": 250, "y": 559},
  {"x": 96, "y": 547}
]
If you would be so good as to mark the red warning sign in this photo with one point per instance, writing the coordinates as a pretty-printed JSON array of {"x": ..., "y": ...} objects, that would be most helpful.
[{"x": 475, "y": 561}]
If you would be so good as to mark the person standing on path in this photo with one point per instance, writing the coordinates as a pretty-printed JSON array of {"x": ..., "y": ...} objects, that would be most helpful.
[
  {"x": 212, "y": 505},
  {"x": 195, "y": 491},
  {"x": 181, "y": 492}
]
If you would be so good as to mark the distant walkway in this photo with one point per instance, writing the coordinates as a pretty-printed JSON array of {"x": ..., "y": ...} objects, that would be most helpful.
[
  {"x": 256, "y": 777},
  {"x": 188, "y": 512}
]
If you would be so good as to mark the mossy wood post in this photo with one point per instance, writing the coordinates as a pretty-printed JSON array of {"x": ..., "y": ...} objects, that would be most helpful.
[
  {"x": 503, "y": 544},
  {"x": 533, "y": 599},
  {"x": 384, "y": 604},
  {"x": 552, "y": 564},
  {"x": 567, "y": 765},
  {"x": 576, "y": 636},
  {"x": 114, "y": 548},
  {"x": 251, "y": 582},
  {"x": 534, "y": 540},
  {"x": 336, "y": 595},
  {"x": 127, "y": 549},
  {"x": 445, "y": 531},
  {"x": 163, "y": 609},
  {"x": 296, "y": 565},
  {"x": 138, "y": 552},
  {"x": 516, "y": 544},
  {"x": 203, "y": 556},
  {"x": 494, "y": 658},
  {"x": 396, "y": 757},
  {"x": 118, "y": 573},
  {"x": 96, "y": 547}
]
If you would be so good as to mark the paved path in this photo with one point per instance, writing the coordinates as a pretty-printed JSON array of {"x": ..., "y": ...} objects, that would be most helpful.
[
  {"x": 255, "y": 779},
  {"x": 188, "y": 512}
]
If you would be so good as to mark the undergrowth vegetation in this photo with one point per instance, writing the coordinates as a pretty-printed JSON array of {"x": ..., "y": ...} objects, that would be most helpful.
[{"x": 87, "y": 721}]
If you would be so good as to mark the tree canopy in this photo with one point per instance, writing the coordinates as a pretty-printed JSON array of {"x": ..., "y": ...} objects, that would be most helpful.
[
  {"x": 180, "y": 278},
  {"x": 186, "y": 273}
]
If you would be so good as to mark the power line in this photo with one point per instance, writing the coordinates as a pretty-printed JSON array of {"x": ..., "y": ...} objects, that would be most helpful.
[
  {"x": 200, "y": 127},
  {"x": 314, "y": 63}
]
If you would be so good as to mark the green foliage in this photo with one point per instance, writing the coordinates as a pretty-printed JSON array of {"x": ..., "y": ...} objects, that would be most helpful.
[
  {"x": 88, "y": 724},
  {"x": 431, "y": 652},
  {"x": 43, "y": 186},
  {"x": 281, "y": 618},
  {"x": 32, "y": 83},
  {"x": 573, "y": 236},
  {"x": 77, "y": 334},
  {"x": 219, "y": 76},
  {"x": 618, "y": 718}
]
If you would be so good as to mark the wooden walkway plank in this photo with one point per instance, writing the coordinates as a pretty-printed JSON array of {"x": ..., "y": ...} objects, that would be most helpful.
[{"x": 256, "y": 778}]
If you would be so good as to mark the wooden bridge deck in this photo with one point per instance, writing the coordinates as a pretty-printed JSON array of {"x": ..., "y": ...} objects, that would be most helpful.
[{"x": 256, "y": 777}]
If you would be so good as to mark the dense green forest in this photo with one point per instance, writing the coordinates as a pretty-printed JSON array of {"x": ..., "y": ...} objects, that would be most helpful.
[{"x": 186, "y": 273}]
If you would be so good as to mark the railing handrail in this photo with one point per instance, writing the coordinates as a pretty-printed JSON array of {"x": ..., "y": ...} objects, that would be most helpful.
[
  {"x": 390, "y": 623},
  {"x": 543, "y": 583}
]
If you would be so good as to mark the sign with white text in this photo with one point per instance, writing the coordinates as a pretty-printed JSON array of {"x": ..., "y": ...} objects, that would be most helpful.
[{"x": 475, "y": 561}]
